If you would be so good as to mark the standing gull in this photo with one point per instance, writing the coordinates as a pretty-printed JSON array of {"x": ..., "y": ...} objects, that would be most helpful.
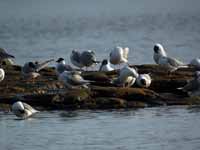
[
  {"x": 30, "y": 69},
  {"x": 161, "y": 58},
  {"x": 105, "y": 66},
  {"x": 23, "y": 110},
  {"x": 61, "y": 66},
  {"x": 73, "y": 79},
  {"x": 88, "y": 58},
  {"x": 119, "y": 55}
]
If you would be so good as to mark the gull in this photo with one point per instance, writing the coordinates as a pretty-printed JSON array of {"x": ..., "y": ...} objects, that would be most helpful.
[
  {"x": 30, "y": 69},
  {"x": 88, "y": 58},
  {"x": 2, "y": 74},
  {"x": 23, "y": 110},
  {"x": 73, "y": 79},
  {"x": 143, "y": 80},
  {"x": 105, "y": 66},
  {"x": 127, "y": 77},
  {"x": 75, "y": 58},
  {"x": 119, "y": 55},
  {"x": 158, "y": 52},
  {"x": 161, "y": 58},
  {"x": 196, "y": 63},
  {"x": 84, "y": 59},
  {"x": 61, "y": 66},
  {"x": 4, "y": 56},
  {"x": 193, "y": 87}
]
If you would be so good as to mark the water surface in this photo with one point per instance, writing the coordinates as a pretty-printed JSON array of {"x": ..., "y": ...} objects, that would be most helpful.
[
  {"x": 42, "y": 29},
  {"x": 167, "y": 128}
]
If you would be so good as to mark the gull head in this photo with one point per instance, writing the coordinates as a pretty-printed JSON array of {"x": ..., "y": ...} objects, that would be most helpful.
[
  {"x": 18, "y": 107},
  {"x": 159, "y": 49},
  {"x": 104, "y": 62},
  {"x": 31, "y": 65},
  {"x": 60, "y": 60}
]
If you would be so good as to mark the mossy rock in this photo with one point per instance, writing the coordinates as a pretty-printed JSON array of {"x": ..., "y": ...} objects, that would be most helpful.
[{"x": 110, "y": 102}]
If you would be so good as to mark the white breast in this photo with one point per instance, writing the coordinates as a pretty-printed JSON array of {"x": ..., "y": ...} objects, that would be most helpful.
[{"x": 2, "y": 74}]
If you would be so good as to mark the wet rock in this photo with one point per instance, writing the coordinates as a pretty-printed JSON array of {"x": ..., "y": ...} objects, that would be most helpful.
[{"x": 48, "y": 92}]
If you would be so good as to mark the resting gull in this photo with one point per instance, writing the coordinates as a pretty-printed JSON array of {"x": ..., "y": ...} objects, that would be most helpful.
[
  {"x": 119, "y": 55},
  {"x": 61, "y": 66},
  {"x": 161, "y": 58},
  {"x": 23, "y": 110},
  {"x": 105, "y": 66},
  {"x": 73, "y": 79},
  {"x": 30, "y": 69}
]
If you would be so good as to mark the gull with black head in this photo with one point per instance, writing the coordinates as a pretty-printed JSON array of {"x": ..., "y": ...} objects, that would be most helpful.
[
  {"x": 61, "y": 66},
  {"x": 105, "y": 66},
  {"x": 161, "y": 58}
]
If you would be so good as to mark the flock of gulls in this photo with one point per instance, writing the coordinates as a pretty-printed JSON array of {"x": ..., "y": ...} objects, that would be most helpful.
[{"x": 127, "y": 76}]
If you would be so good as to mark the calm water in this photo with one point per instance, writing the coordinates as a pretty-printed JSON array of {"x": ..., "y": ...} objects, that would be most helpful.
[
  {"x": 167, "y": 128},
  {"x": 49, "y": 29}
]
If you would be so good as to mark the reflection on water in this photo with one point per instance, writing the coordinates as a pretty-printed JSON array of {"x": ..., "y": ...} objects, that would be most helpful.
[{"x": 149, "y": 128}]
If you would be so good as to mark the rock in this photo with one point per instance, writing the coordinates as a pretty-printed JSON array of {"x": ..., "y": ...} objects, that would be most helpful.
[{"x": 49, "y": 93}]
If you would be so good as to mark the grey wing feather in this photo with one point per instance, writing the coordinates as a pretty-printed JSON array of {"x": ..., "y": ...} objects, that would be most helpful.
[
  {"x": 73, "y": 81},
  {"x": 4, "y": 54},
  {"x": 28, "y": 107},
  {"x": 76, "y": 56},
  {"x": 42, "y": 65},
  {"x": 174, "y": 62}
]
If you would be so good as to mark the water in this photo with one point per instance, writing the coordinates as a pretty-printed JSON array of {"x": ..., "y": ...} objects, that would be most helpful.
[
  {"x": 167, "y": 128},
  {"x": 49, "y": 29},
  {"x": 36, "y": 30}
]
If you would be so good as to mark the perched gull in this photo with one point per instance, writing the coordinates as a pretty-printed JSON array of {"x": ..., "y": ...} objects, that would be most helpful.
[
  {"x": 73, "y": 79},
  {"x": 143, "y": 80},
  {"x": 119, "y": 55},
  {"x": 158, "y": 52},
  {"x": 88, "y": 58},
  {"x": 5, "y": 57},
  {"x": 84, "y": 59},
  {"x": 196, "y": 63},
  {"x": 30, "y": 70},
  {"x": 61, "y": 66},
  {"x": 23, "y": 110},
  {"x": 193, "y": 87},
  {"x": 127, "y": 77},
  {"x": 75, "y": 58},
  {"x": 2, "y": 74},
  {"x": 161, "y": 58},
  {"x": 105, "y": 66}
]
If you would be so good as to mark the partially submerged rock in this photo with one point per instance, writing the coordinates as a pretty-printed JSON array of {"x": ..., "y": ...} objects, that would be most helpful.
[{"x": 47, "y": 92}]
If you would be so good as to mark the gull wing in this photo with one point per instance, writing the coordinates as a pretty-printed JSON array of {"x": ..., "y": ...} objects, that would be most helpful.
[
  {"x": 4, "y": 54},
  {"x": 174, "y": 62},
  {"x": 42, "y": 65}
]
